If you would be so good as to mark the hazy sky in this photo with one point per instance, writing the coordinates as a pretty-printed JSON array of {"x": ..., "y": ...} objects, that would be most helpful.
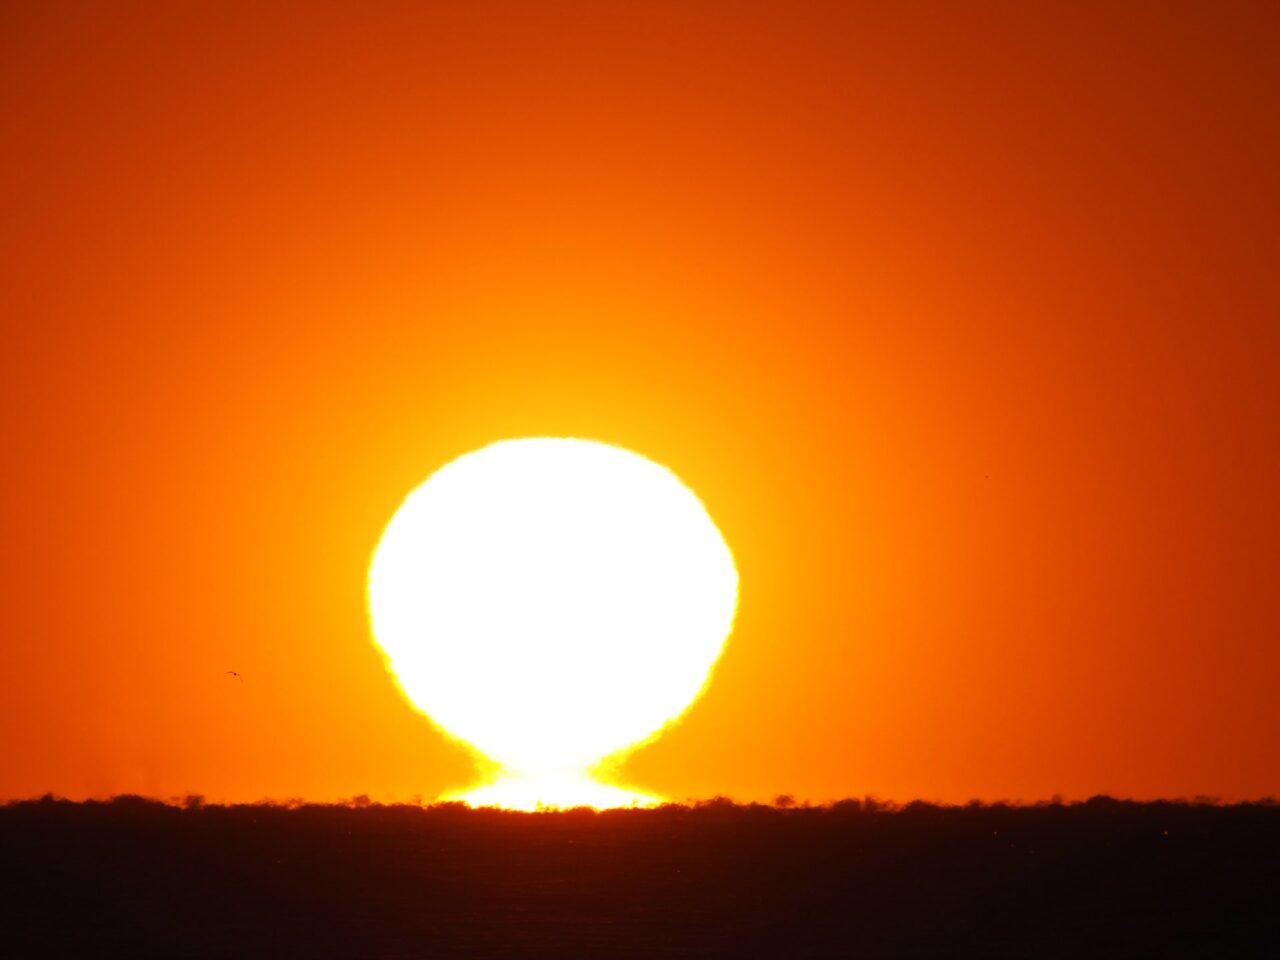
[{"x": 963, "y": 320}]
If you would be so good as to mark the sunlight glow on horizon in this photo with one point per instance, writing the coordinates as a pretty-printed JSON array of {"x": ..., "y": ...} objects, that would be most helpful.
[{"x": 553, "y": 603}]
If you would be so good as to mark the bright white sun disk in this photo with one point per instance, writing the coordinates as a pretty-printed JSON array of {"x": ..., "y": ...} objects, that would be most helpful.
[{"x": 552, "y": 602}]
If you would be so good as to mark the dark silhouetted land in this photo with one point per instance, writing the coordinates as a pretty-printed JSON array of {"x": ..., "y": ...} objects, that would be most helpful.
[{"x": 133, "y": 878}]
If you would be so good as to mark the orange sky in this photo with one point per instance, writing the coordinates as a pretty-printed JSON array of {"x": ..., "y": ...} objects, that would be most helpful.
[{"x": 963, "y": 319}]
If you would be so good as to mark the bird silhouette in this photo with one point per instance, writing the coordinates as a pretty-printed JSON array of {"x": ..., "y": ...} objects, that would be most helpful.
[{"x": 233, "y": 673}]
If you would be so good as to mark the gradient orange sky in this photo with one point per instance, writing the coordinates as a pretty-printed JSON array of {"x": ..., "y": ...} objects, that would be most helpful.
[{"x": 963, "y": 319}]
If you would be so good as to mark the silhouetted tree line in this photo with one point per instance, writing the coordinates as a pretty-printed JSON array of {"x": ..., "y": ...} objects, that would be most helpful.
[{"x": 864, "y": 878}]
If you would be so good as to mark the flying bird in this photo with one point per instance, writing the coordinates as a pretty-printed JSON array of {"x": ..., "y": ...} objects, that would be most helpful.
[{"x": 233, "y": 673}]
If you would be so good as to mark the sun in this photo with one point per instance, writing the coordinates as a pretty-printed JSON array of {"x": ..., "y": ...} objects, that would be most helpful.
[{"x": 554, "y": 603}]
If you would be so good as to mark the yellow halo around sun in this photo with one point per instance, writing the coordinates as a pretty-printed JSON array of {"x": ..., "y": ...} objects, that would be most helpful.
[{"x": 553, "y": 603}]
